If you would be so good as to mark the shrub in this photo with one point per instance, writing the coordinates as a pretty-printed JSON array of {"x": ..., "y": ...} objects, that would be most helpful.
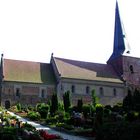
[
  {"x": 86, "y": 109},
  {"x": 60, "y": 116},
  {"x": 31, "y": 108},
  {"x": 79, "y": 105},
  {"x": 132, "y": 116},
  {"x": 65, "y": 126},
  {"x": 43, "y": 109},
  {"x": 60, "y": 106},
  {"x": 119, "y": 131},
  {"x": 33, "y": 115},
  {"x": 18, "y": 106},
  {"x": 66, "y": 101},
  {"x": 51, "y": 120},
  {"x": 28, "y": 126},
  {"x": 54, "y": 104},
  {"x": 94, "y": 98}
]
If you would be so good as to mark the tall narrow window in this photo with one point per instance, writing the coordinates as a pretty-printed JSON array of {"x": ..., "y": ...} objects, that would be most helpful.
[
  {"x": 131, "y": 69},
  {"x": 114, "y": 92},
  {"x": 18, "y": 92},
  {"x": 101, "y": 91},
  {"x": 42, "y": 93},
  {"x": 62, "y": 88},
  {"x": 87, "y": 90},
  {"x": 73, "y": 89}
]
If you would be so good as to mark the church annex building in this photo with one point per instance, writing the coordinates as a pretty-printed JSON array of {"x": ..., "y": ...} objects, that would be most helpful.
[{"x": 32, "y": 82}]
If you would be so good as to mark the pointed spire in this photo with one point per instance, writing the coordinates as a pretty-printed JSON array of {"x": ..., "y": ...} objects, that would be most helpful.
[{"x": 119, "y": 45}]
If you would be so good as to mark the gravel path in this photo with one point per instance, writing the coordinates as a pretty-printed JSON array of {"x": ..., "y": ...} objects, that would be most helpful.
[{"x": 38, "y": 126}]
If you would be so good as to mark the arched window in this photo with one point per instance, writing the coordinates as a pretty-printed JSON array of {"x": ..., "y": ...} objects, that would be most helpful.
[
  {"x": 73, "y": 89},
  {"x": 101, "y": 91},
  {"x": 87, "y": 89},
  {"x": 114, "y": 92}
]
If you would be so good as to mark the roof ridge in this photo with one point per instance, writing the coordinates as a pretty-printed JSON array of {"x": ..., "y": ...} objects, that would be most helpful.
[
  {"x": 79, "y": 61},
  {"x": 25, "y": 61}
]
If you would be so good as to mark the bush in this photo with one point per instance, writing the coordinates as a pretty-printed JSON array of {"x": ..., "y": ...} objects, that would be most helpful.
[
  {"x": 65, "y": 126},
  {"x": 86, "y": 109},
  {"x": 60, "y": 116},
  {"x": 51, "y": 120},
  {"x": 29, "y": 127},
  {"x": 132, "y": 116},
  {"x": 31, "y": 108},
  {"x": 79, "y": 105},
  {"x": 43, "y": 109},
  {"x": 119, "y": 131},
  {"x": 18, "y": 106},
  {"x": 33, "y": 116}
]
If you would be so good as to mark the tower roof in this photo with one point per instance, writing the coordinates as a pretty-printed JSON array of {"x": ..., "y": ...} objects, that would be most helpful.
[{"x": 119, "y": 45}]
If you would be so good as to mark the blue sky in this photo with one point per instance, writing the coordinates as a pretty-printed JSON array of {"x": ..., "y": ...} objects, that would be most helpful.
[{"x": 74, "y": 29}]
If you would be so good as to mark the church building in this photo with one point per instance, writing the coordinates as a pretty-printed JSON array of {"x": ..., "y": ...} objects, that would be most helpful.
[{"x": 33, "y": 82}]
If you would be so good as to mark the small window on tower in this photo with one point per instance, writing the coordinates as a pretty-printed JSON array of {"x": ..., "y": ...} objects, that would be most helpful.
[{"x": 131, "y": 69}]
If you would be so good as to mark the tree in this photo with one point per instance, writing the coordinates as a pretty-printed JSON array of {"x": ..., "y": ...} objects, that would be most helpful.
[
  {"x": 54, "y": 104},
  {"x": 128, "y": 101},
  {"x": 79, "y": 105},
  {"x": 136, "y": 99},
  {"x": 66, "y": 101},
  {"x": 94, "y": 98}
]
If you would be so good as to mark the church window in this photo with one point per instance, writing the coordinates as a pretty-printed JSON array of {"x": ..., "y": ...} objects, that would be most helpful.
[
  {"x": 62, "y": 88},
  {"x": 73, "y": 89},
  {"x": 42, "y": 93},
  {"x": 101, "y": 91},
  {"x": 17, "y": 92},
  {"x": 87, "y": 90},
  {"x": 131, "y": 69},
  {"x": 9, "y": 90},
  {"x": 114, "y": 92}
]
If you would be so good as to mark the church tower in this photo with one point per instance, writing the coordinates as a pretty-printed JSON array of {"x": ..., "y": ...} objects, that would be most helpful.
[
  {"x": 127, "y": 67},
  {"x": 119, "y": 45}
]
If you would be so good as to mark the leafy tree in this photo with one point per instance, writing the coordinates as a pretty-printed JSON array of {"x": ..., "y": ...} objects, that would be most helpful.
[
  {"x": 66, "y": 101},
  {"x": 94, "y": 98}
]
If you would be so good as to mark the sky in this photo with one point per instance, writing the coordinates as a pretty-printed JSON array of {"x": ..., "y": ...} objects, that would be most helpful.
[{"x": 74, "y": 29}]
